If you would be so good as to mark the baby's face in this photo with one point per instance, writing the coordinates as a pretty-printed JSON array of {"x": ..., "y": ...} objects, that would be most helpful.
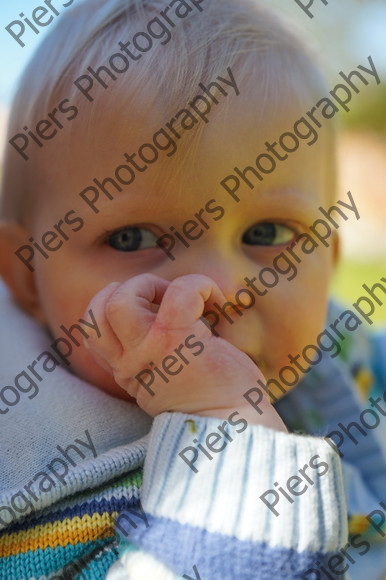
[{"x": 238, "y": 240}]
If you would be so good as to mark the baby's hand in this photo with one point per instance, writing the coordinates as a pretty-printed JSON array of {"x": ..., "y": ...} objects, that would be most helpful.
[{"x": 160, "y": 352}]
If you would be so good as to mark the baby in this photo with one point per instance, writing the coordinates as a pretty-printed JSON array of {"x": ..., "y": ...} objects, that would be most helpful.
[{"x": 125, "y": 127}]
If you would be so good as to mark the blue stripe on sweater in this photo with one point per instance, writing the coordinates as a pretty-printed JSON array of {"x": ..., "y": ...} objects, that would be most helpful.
[
  {"x": 71, "y": 558},
  {"x": 220, "y": 557},
  {"x": 89, "y": 508}
]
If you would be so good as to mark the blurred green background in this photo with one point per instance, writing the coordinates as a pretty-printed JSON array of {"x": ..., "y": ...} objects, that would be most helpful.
[
  {"x": 345, "y": 33},
  {"x": 350, "y": 276}
]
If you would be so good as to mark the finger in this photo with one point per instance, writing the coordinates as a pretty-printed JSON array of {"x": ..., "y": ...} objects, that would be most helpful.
[
  {"x": 185, "y": 300},
  {"x": 107, "y": 346},
  {"x": 130, "y": 309}
]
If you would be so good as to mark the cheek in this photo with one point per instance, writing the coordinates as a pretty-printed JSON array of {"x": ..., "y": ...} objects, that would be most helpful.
[
  {"x": 66, "y": 286},
  {"x": 64, "y": 297},
  {"x": 298, "y": 312},
  {"x": 64, "y": 301}
]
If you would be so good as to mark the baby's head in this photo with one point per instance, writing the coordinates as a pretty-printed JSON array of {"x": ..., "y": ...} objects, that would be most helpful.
[{"x": 140, "y": 166}]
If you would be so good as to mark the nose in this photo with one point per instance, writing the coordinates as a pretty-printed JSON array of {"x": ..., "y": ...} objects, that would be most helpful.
[
  {"x": 223, "y": 265},
  {"x": 236, "y": 318}
]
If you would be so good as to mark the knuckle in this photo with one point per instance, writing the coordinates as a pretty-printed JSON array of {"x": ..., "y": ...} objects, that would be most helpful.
[
  {"x": 178, "y": 283},
  {"x": 142, "y": 278},
  {"x": 194, "y": 281},
  {"x": 114, "y": 308}
]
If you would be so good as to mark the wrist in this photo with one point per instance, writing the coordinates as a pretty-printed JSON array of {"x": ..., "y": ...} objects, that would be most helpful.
[{"x": 267, "y": 417}]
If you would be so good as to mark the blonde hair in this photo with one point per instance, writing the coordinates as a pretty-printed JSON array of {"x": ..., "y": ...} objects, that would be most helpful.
[{"x": 246, "y": 35}]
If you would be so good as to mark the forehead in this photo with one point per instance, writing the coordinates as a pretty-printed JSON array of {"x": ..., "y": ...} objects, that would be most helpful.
[
  {"x": 259, "y": 133},
  {"x": 231, "y": 135}
]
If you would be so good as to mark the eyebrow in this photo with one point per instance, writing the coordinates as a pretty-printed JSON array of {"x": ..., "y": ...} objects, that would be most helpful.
[
  {"x": 135, "y": 206},
  {"x": 289, "y": 197},
  {"x": 132, "y": 206}
]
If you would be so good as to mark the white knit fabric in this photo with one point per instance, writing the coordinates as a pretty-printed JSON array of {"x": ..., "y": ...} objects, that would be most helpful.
[{"x": 62, "y": 411}]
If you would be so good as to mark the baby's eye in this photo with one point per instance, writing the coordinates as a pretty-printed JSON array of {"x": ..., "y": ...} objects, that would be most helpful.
[
  {"x": 268, "y": 234},
  {"x": 131, "y": 239}
]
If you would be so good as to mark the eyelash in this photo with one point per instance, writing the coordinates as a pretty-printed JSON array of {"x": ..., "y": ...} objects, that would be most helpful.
[
  {"x": 138, "y": 238},
  {"x": 276, "y": 229},
  {"x": 134, "y": 231}
]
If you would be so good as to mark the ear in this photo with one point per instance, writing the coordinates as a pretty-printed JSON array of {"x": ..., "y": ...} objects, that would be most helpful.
[{"x": 17, "y": 274}]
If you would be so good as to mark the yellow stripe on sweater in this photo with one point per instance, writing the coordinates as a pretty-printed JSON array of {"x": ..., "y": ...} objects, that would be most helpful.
[{"x": 59, "y": 533}]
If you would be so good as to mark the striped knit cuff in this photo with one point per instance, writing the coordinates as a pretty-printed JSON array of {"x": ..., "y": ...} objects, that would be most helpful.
[{"x": 247, "y": 482}]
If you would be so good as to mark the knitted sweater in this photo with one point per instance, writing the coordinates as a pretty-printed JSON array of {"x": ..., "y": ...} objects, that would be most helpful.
[{"x": 91, "y": 487}]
